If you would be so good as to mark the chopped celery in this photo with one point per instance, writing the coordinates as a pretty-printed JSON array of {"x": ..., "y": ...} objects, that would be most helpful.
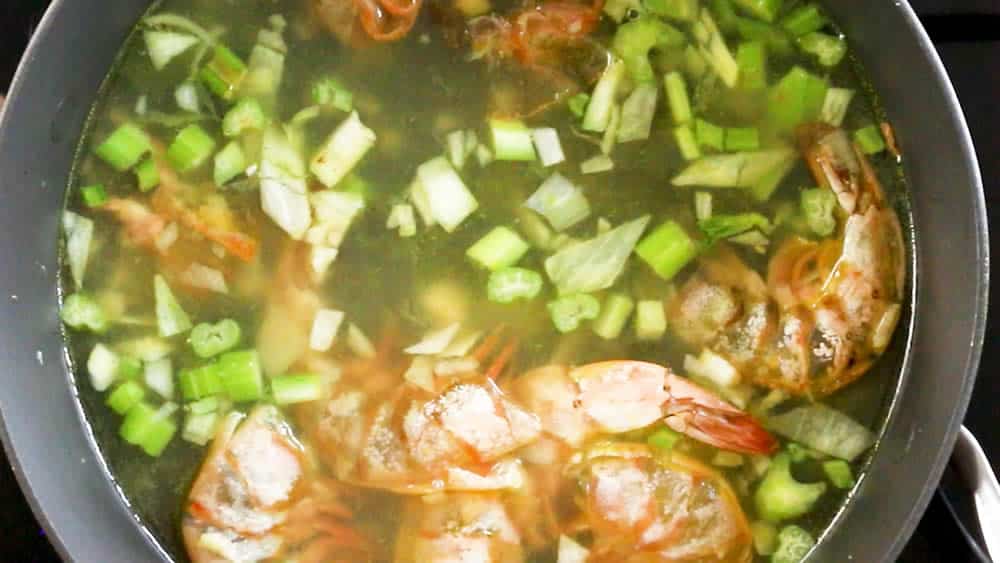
[
  {"x": 500, "y": 248},
  {"x": 709, "y": 135},
  {"x": 102, "y": 366},
  {"x": 448, "y": 201},
  {"x": 124, "y": 147},
  {"x": 129, "y": 367},
  {"x": 241, "y": 376},
  {"x": 712, "y": 367},
  {"x": 206, "y": 405},
  {"x": 824, "y": 429},
  {"x": 681, "y": 10},
  {"x": 650, "y": 320},
  {"x": 165, "y": 46},
  {"x": 560, "y": 201},
  {"x": 725, "y": 14},
  {"x": 148, "y": 428},
  {"x": 511, "y": 284},
  {"x": 597, "y": 164},
  {"x": 751, "y": 56},
  {"x": 667, "y": 249},
  {"x": 199, "y": 428},
  {"x": 578, "y": 104},
  {"x": 664, "y": 439},
  {"x": 266, "y": 67},
  {"x": 547, "y": 145},
  {"x": 795, "y": 99},
  {"x": 738, "y": 170},
  {"x": 727, "y": 459},
  {"x": 208, "y": 340},
  {"x": 147, "y": 174},
  {"x": 569, "y": 311},
  {"x": 618, "y": 9},
  {"x": 344, "y": 149},
  {"x": 81, "y": 312},
  {"x": 742, "y": 139},
  {"x": 687, "y": 143},
  {"x": 818, "y": 205},
  {"x": 804, "y": 19},
  {"x": 246, "y": 115},
  {"x": 94, "y": 195},
  {"x": 765, "y": 537},
  {"x": 230, "y": 162},
  {"x": 766, "y": 10},
  {"x": 159, "y": 376},
  {"x": 170, "y": 316},
  {"x": 190, "y": 149},
  {"x": 635, "y": 39},
  {"x": 223, "y": 73},
  {"x": 780, "y": 497},
  {"x": 713, "y": 47},
  {"x": 827, "y": 49},
  {"x": 869, "y": 139},
  {"x": 611, "y": 133},
  {"x": 839, "y": 473},
  {"x": 79, "y": 234},
  {"x": 293, "y": 389},
  {"x": 329, "y": 91},
  {"x": 835, "y": 106},
  {"x": 125, "y": 396},
  {"x": 597, "y": 263},
  {"x": 637, "y": 113},
  {"x": 677, "y": 97},
  {"x": 702, "y": 205},
  {"x": 615, "y": 312},
  {"x": 511, "y": 140},
  {"x": 604, "y": 98},
  {"x": 794, "y": 544},
  {"x": 718, "y": 227},
  {"x": 776, "y": 39},
  {"x": 200, "y": 382}
]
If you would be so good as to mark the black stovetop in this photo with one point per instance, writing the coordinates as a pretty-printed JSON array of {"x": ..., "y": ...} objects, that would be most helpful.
[{"x": 968, "y": 39}]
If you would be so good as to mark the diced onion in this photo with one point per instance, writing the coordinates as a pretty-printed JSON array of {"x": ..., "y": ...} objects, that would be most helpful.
[
  {"x": 401, "y": 217},
  {"x": 321, "y": 258},
  {"x": 167, "y": 237},
  {"x": 597, "y": 164},
  {"x": 186, "y": 96},
  {"x": 435, "y": 342},
  {"x": 79, "y": 234},
  {"x": 712, "y": 367},
  {"x": 203, "y": 277},
  {"x": 324, "y": 329},
  {"x": 560, "y": 201},
  {"x": 547, "y": 144},
  {"x": 571, "y": 552},
  {"x": 445, "y": 195},
  {"x": 421, "y": 373},
  {"x": 159, "y": 376},
  {"x": 343, "y": 151},
  {"x": 359, "y": 343},
  {"x": 102, "y": 365}
]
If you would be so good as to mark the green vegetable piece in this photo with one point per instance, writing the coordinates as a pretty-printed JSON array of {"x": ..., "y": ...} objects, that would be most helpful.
[
  {"x": 801, "y": 454},
  {"x": 81, "y": 312},
  {"x": 827, "y": 49},
  {"x": 615, "y": 312},
  {"x": 500, "y": 248},
  {"x": 725, "y": 14},
  {"x": 199, "y": 428},
  {"x": 794, "y": 544},
  {"x": 595, "y": 264},
  {"x": 742, "y": 139},
  {"x": 677, "y": 97},
  {"x": 779, "y": 497},
  {"x": 147, "y": 175},
  {"x": 148, "y": 429},
  {"x": 578, "y": 104},
  {"x": 687, "y": 143},
  {"x": 718, "y": 227},
  {"x": 569, "y": 311},
  {"x": 329, "y": 91},
  {"x": 512, "y": 140},
  {"x": 804, "y": 19},
  {"x": 230, "y": 162},
  {"x": 766, "y": 10},
  {"x": 201, "y": 382},
  {"x": 751, "y": 56},
  {"x": 190, "y": 149},
  {"x": 293, "y": 389},
  {"x": 712, "y": 45},
  {"x": 839, "y": 473},
  {"x": 869, "y": 139},
  {"x": 634, "y": 40},
  {"x": 246, "y": 115},
  {"x": 664, "y": 439},
  {"x": 681, "y": 10},
  {"x": 776, "y": 39},
  {"x": 818, "y": 205},
  {"x": 667, "y": 249},
  {"x": 650, "y": 320},
  {"x": 224, "y": 73},
  {"x": 795, "y": 99},
  {"x": 206, "y": 405},
  {"x": 94, "y": 195},
  {"x": 511, "y": 284},
  {"x": 709, "y": 135},
  {"x": 604, "y": 99},
  {"x": 765, "y": 537},
  {"x": 170, "y": 316},
  {"x": 125, "y": 396},
  {"x": 129, "y": 367},
  {"x": 123, "y": 148},
  {"x": 164, "y": 46},
  {"x": 208, "y": 340},
  {"x": 241, "y": 376}
]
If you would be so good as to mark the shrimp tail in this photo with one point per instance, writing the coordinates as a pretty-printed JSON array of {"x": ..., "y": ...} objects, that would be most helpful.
[{"x": 738, "y": 432}]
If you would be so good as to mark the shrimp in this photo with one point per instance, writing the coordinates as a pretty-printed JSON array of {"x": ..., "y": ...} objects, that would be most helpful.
[
  {"x": 458, "y": 527},
  {"x": 641, "y": 505},
  {"x": 379, "y": 20}
]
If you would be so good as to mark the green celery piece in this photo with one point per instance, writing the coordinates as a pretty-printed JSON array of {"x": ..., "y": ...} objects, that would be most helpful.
[
  {"x": 246, "y": 115},
  {"x": 869, "y": 140},
  {"x": 780, "y": 497},
  {"x": 147, "y": 174},
  {"x": 794, "y": 543},
  {"x": 241, "y": 375},
  {"x": 124, "y": 147},
  {"x": 818, "y": 205},
  {"x": 329, "y": 91},
  {"x": 776, "y": 39},
  {"x": 129, "y": 367},
  {"x": 569, "y": 311},
  {"x": 230, "y": 162},
  {"x": 766, "y": 10},
  {"x": 125, "y": 396},
  {"x": 224, "y": 73},
  {"x": 667, "y": 249},
  {"x": 804, "y": 19},
  {"x": 681, "y": 10},
  {"x": 796, "y": 99},
  {"x": 687, "y": 143},
  {"x": 765, "y": 537},
  {"x": 500, "y": 248},
  {"x": 615, "y": 312},
  {"x": 751, "y": 56},
  {"x": 191, "y": 148},
  {"x": 201, "y": 382},
  {"x": 650, "y": 320},
  {"x": 742, "y": 139},
  {"x": 827, "y": 49},
  {"x": 294, "y": 389},
  {"x": 145, "y": 427},
  {"x": 677, "y": 97},
  {"x": 578, "y": 104},
  {"x": 839, "y": 473},
  {"x": 634, "y": 40},
  {"x": 82, "y": 312},
  {"x": 725, "y": 14},
  {"x": 718, "y": 227},
  {"x": 736, "y": 170},
  {"x": 709, "y": 135},
  {"x": 94, "y": 195},
  {"x": 512, "y": 140},
  {"x": 208, "y": 340},
  {"x": 512, "y": 284},
  {"x": 664, "y": 439}
]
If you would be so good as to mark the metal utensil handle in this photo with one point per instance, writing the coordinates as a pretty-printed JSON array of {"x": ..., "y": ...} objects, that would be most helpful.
[{"x": 977, "y": 472}]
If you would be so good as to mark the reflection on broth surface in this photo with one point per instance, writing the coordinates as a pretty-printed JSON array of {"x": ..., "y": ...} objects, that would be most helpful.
[{"x": 461, "y": 281}]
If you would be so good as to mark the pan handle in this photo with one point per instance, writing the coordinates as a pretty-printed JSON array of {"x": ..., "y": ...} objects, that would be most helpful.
[{"x": 975, "y": 469}]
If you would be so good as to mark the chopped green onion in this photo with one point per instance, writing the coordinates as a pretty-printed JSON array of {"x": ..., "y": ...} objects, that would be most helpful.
[
  {"x": 794, "y": 543},
  {"x": 667, "y": 249},
  {"x": 578, "y": 104},
  {"x": 560, "y": 201},
  {"x": 709, "y": 135},
  {"x": 208, "y": 340},
  {"x": 804, "y": 19},
  {"x": 702, "y": 205},
  {"x": 329, "y": 91},
  {"x": 597, "y": 164},
  {"x": 500, "y": 248},
  {"x": 681, "y": 10},
  {"x": 835, "y": 106},
  {"x": 94, "y": 195},
  {"x": 687, "y": 143},
  {"x": 742, "y": 139},
  {"x": 123, "y": 148},
  {"x": 735, "y": 170},
  {"x": 604, "y": 97},
  {"x": 190, "y": 149},
  {"x": 775, "y": 38},
  {"x": 79, "y": 234},
  {"x": 246, "y": 115},
  {"x": 159, "y": 376},
  {"x": 81, "y": 312},
  {"x": 765, "y": 537},
  {"x": 165, "y": 46},
  {"x": 650, "y": 320},
  {"x": 595, "y": 264},
  {"x": 199, "y": 428},
  {"x": 765, "y": 10},
  {"x": 511, "y": 284},
  {"x": 780, "y": 497},
  {"x": 170, "y": 316},
  {"x": 511, "y": 140},
  {"x": 818, "y": 205},
  {"x": 795, "y": 99},
  {"x": 547, "y": 145},
  {"x": 569, "y": 311},
  {"x": 718, "y": 227},
  {"x": 147, "y": 174},
  {"x": 345, "y": 148},
  {"x": 447, "y": 198},
  {"x": 839, "y": 473},
  {"x": 293, "y": 389},
  {"x": 148, "y": 428},
  {"x": 615, "y": 312},
  {"x": 635, "y": 39},
  {"x": 869, "y": 139},
  {"x": 125, "y": 396},
  {"x": 823, "y": 429},
  {"x": 241, "y": 376},
  {"x": 827, "y": 49},
  {"x": 224, "y": 73},
  {"x": 664, "y": 439},
  {"x": 230, "y": 162},
  {"x": 102, "y": 366},
  {"x": 752, "y": 60},
  {"x": 677, "y": 97},
  {"x": 638, "y": 112},
  {"x": 713, "y": 47},
  {"x": 201, "y": 382}
]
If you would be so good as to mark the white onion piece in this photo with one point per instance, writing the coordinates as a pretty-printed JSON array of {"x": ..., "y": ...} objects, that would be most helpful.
[
  {"x": 435, "y": 342},
  {"x": 203, "y": 277},
  {"x": 550, "y": 150},
  {"x": 324, "y": 329}
]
